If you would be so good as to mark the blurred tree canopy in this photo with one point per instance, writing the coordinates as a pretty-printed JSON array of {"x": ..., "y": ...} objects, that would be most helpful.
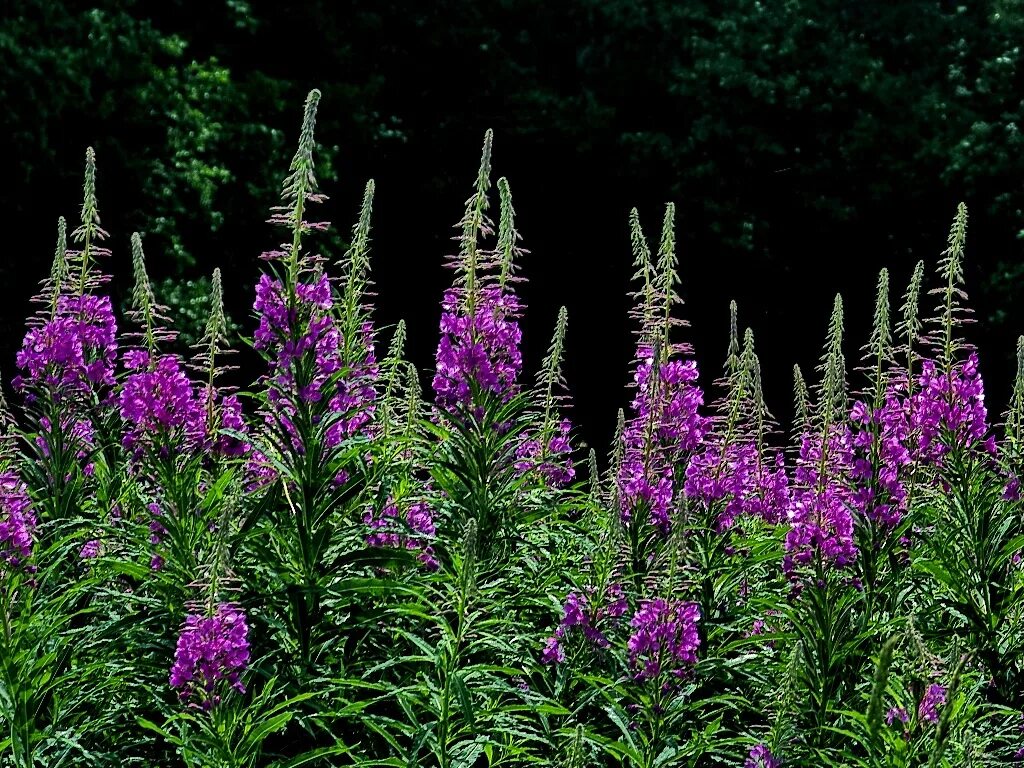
[{"x": 801, "y": 139}]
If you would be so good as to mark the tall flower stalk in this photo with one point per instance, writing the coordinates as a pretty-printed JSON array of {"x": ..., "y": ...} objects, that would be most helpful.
[{"x": 665, "y": 425}]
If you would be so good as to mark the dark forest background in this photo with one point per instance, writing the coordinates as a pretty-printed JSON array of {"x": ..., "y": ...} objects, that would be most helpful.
[{"x": 807, "y": 143}]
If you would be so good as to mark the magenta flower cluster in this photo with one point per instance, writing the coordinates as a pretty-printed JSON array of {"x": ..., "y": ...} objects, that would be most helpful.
[
  {"x": 761, "y": 757},
  {"x": 479, "y": 346},
  {"x": 73, "y": 351},
  {"x": 738, "y": 475},
  {"x": 308, "y": 362},
  {"x": 410, "y": 531},
  {"x": 579, "y": 612},
  {"x": 949, "y": 409},
  {"x": 211, "y": 655},
  {"x": 820, "y": 517},
  {"x": 552, "y": 462},
  {"x": 897, "y": 714},
  {"x": 665, "y": 426},
  {"x": 934, "y": 697},
  {"x": 160, "y": 405},
  {"x": 665, "y": 638},
  {"x": 881, "y": 458},
  {"x": 17, "y": 520},
  {"x": 229, "y": 410}
]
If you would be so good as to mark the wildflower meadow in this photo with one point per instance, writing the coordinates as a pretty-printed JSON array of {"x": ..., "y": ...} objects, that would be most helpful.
[{"x": 349, "y": 561}]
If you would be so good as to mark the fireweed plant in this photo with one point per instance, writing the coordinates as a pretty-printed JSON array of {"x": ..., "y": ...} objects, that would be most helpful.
[{"x": 351, "y": 563}]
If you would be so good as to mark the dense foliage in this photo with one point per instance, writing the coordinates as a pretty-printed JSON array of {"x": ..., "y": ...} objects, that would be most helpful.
[{"x": 335, "y": 568}]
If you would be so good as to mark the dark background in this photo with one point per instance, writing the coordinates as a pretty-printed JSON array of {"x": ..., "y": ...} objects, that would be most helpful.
[{"x": 806, "y": 143}]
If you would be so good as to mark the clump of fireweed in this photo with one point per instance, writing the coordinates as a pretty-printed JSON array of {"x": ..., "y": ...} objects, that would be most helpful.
[
  {"x": 66, "y": 372},
  {"x": 481, "y": 414},
  {"x": 56, "y": 486},
  {"x": 215, "y": 720},
  {"x": 664, "y": 426},
  {"x": 359, "y": 572},
  {"x": 970, "y": 530},
  {"x": 737, "y": 492},
  {"x": 631, "y": 625},
  {"x": 310, "y": 459},
  {"x": 482, "y": 505},
  {"x": 169, "y": 428},
  {"x": 883, "y": 461}
]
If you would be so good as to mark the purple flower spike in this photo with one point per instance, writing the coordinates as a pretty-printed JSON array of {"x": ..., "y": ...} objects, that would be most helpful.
[
  {"x": 896, "y": 713},
  {"x": 159, "y": 399},
  {"x": 666, "y": 426},
  {"x": 928, "y": 709},
  {"x": 665, "y": 638},
  {"x": 749, "y": 485},
  {"x": 554, "y": 464},
  {"x": 304, "y": 340},
  {"x": 387, "y": 530},
  {"x": 17, "y": 520},
  {"x": 73, "y": 351},
  {"x": 212, "y": 654},
  {"x": 761, "y": 757},
  {"x": 821, "y": 524},
  {"x": 953, "y": 404},
  {"x": 479, "y": 346}
]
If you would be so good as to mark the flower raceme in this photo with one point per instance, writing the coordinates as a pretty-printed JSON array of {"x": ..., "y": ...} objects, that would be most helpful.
[
  {"x": 664, "y": 639},
  {"x": 158, "y": 398},
  {"x": 671, "y": 399},
  {"x": 897, "y": 714},
  {"x": 554, "y": 461},
  {"x": 579, "y": 612},
  {"x": 882, "y": 455},
  {"x": 664, "y": 428},
  {"x": 761, "y": 757},
  {"x": 211, "y": 655},
  {"x": 928, "y": 709},
  {"x": 73, "y": 351},
  {"x": 164, "y": 409},
  {"x": 229, "y": 410},
  {"x": 950, "y": 405},
  {"x": 17, "y": 520},
  {"x": 479, "y": 346},
  {"x": 307, "y": 357},
  {"x": 737, "y": 474},
  {"x": 387, "y": 530},
  {"x": 821, "y": 523}
]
